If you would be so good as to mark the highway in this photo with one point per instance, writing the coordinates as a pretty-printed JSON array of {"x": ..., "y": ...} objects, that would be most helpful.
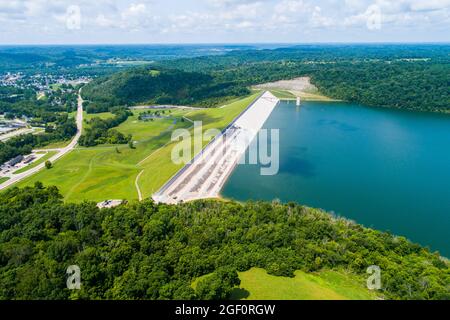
[{"x": 14, "y": 178}]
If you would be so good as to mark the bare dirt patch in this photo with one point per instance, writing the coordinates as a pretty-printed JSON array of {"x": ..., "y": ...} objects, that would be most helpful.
[
  {"x": 290, "y": 89},
  {"x": 302, "y": 84}
]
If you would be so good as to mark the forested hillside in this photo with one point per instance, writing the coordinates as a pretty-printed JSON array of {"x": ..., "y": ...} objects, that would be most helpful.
[
  {"x": 413, "y": 77},
  {"x": 149, "y": 251},
  {"x": 163, "y": 86}
]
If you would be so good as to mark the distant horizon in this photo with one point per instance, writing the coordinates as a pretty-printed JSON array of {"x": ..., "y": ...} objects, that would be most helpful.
[
  {"x": 226, "y": 43},
  {"x": 82, "y": 22}
]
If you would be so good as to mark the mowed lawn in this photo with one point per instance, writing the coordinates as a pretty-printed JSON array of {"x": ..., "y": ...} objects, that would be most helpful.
[
  {"x": 109, "y": 172},
  {"x": 3, "y": 179},
  {"x": 256, "y": 284},
  {"x": 139, "y": 129},
  {"x": 283, "y": 94}
]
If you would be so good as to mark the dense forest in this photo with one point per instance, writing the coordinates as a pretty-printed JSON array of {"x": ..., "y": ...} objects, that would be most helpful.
[
  {"x": 154, "y": 251},
  {"x": 82, "y": 60},
  {"x": 407, "y": 77},
  {"x": 163, "y": 86}
]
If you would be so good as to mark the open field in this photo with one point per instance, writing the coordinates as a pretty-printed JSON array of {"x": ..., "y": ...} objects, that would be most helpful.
[
  {"x": 102, "y": 115},
  {"x": 36, "y": 163},
  {"x": 102, "y": 172},
  {"x": 307, "y": 96},
  {"x": 283, "y": 94},
  {"x": 312, "y": 96},
  {"x": 144, "y": 130},
  {"x": 256, "y": 284},
  {"x": 3, "y": 179},
  {"x": 56, "y": 145},
  {"x": 55, "y": 86},
  {"x": 110, "y": 172}
]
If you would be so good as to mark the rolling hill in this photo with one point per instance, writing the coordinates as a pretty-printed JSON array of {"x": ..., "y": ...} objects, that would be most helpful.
[{"x": 158, "y": 86}]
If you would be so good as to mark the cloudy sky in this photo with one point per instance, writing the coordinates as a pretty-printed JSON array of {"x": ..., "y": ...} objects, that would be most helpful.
[{"x": 222, "y": 21}]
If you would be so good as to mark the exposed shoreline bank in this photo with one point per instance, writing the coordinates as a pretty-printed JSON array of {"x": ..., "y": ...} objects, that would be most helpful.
[{"x": 291, "y": 89}]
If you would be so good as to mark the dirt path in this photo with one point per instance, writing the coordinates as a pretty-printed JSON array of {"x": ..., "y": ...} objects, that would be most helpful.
[{"x": 136, "y": 182}]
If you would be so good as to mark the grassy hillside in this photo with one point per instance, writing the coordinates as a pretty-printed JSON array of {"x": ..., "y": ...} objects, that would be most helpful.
[
  {"x": 257, "y": 284},
  {"x": 109, "y": 172},
  {"x": 105, "y": 171}
]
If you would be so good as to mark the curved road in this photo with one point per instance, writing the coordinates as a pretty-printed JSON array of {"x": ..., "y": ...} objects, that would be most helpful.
[{"x": 14, "y": 178}]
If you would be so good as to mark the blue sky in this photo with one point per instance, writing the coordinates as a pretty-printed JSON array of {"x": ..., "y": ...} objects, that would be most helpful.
[{"x": 222, "y": 21}]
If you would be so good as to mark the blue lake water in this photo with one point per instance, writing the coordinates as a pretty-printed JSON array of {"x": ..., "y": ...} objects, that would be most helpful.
[{"x": 386, "y": 169}]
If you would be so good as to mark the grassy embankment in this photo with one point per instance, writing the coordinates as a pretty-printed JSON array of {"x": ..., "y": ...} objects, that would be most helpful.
[
  {"x": 109, "y": 172},
  {"x": 306, "y": 96},
  {"x": 3, "y": 179}
]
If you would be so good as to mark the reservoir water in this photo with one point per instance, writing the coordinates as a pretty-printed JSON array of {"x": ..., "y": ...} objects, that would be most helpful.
[{"x": 386, "y": 169}]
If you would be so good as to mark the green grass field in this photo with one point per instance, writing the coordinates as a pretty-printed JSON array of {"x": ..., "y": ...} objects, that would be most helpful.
[
  {"x": 36, "y": 163},
  {"x": 306, "y": 96},
  {"x": 139, "y": 128},
  {"x": 256, "y": 284},
  {"x": 110, "y": 172},
  {"x": 283, "y": 94},
  {"x": 56, "y": 145},
  {"x": 55, "y": 86},
  {"x": 102, "y": 115},
  {"x": 3, "y": 179}
]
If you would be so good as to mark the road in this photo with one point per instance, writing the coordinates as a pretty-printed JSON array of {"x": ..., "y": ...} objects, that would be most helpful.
[
  {"x": 5, "y": 137},
  {"x": 14, "y": 178}
]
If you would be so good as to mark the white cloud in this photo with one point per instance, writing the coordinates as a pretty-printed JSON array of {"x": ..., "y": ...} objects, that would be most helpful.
[
  {"x": 430, "y": 5},
  {"x": 104, "y": 22},
  {"x": 406, "y": 13},
  {"x": 320, "y": 21},
  {"x": 292, "y": 6},
  {"x": 210, "y": 19}
]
